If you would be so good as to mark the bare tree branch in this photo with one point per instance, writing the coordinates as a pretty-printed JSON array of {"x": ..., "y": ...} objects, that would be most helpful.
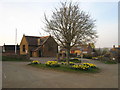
[{"x": 70, "y": 26}]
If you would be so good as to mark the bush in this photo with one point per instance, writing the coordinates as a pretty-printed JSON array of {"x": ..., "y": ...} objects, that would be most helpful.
[
  {"x": 75, "y": 60},
  {"x": 88, "y": 56},
  {"x": 73, "y": 55},
  {"x": 105, "y": 59},
  {"x": 110, "y": 62}
]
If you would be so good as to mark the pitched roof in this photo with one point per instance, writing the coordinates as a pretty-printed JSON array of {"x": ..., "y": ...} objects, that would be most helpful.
[{"x": 33, "y": 40}]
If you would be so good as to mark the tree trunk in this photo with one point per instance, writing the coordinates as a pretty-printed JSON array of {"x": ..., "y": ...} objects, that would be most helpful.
[{"x": 68, "y": 56}]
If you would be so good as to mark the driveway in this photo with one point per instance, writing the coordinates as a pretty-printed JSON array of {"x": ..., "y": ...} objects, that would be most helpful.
[{"x": 21, "y": 75}]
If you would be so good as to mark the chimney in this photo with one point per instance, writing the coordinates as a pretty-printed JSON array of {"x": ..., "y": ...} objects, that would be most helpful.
[{"x": 113, "y": 46}]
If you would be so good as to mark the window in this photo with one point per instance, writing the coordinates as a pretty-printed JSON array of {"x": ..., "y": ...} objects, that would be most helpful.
[{"x": 23, "y": 48}]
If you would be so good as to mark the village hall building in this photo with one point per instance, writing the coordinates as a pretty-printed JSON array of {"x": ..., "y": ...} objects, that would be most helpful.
[{"x": 38, "y": 46}]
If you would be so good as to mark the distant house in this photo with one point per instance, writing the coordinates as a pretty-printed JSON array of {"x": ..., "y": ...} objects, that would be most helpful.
[
  {"x": 115, "y": 52},
  {"x": 85, "y": 49},
  {"x": 38, "y": 46},
  {"x": 115, "y": 49},
  {"x": 10, "y": 49}
]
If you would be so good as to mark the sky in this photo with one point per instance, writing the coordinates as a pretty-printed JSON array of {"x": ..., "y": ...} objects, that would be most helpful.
[{"x": 27, "y": 16}]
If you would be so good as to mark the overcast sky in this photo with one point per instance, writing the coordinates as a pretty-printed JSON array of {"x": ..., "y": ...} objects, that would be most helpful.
[{"x": 27, "y": 17}]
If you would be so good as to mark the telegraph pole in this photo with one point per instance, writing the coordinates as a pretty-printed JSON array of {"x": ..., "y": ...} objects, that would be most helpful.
[{"x": 16, "y": 41}]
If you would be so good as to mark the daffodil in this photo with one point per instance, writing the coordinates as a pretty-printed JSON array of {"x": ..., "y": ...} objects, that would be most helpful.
[
  {"x": 35, "y": 62},
  {"x": 52, "y": 63},
  {"x": 90, "y": 65}
]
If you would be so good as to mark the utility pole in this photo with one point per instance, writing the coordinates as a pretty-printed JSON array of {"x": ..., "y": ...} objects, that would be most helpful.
[{"x": 16, "y": 41}]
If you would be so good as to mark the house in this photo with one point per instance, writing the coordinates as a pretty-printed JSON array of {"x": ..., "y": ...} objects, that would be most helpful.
[
  {"x": 115, "y": 52},
  {"x": 114, "y": 48},
  {"x": 85, "y": 49},
  {"x": 38, "y": 46},
  {"x": 10, "y": 49}
]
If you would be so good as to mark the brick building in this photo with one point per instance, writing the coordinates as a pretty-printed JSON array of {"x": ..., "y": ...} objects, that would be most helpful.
[{"x": 38, "y": 46}]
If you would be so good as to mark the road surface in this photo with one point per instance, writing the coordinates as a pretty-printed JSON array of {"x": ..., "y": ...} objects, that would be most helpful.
[{"x": 21, "y": 75}]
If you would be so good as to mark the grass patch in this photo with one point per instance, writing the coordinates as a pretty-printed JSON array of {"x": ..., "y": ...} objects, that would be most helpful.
[
  {"x": 65, "y": 68},
  {"x": 8, "y": 58}
]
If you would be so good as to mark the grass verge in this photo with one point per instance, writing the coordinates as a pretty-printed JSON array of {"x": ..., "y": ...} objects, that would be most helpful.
[
  {"x": 65, "y": 68},
  {"x": 8, "y": 58},
  {"x": 110, "y": 62}
]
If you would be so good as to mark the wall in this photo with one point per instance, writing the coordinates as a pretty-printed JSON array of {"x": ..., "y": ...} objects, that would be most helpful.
[
  {"x": 50, "y": 48},
  {"x": 35, "y": 54},
  {"x": 23, "y": 42}
]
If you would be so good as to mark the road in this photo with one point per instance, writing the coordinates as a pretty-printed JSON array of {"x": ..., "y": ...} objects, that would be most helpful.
[{"x": 21, "y": 75}]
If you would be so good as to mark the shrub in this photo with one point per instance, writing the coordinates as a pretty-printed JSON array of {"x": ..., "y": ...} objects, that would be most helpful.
[
  {"x": 52, "y": 64},
  {"x": 36, "y": 62},
  {"x": 73, "y": 55},
  {"x": 98, "y": 58},
  {"x": 88, "y": 56},
  {"x": 110, "y": 62},
  {"x": 75, "y": 60}
]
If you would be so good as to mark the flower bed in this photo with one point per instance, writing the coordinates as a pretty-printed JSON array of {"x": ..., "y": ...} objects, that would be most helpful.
[
  {"x": 52, "y": 64},
  {"x": 90, "y": 65},
  {"x": 65, "y": 63},
  {"x": 81, "y": 67},
  {"x": 84, "y": 66},
  {"x": 36, "y": 62}
]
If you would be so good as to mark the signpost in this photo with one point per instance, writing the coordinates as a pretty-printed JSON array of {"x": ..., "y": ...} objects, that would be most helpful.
[{"x": 81, "y": 55}]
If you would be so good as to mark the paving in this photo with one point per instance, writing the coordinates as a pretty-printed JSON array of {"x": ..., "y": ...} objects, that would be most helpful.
[{"x": 21, "y": 75}]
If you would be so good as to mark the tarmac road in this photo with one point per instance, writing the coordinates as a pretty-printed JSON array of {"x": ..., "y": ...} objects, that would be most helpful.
[{"x": 21, "y": 75}]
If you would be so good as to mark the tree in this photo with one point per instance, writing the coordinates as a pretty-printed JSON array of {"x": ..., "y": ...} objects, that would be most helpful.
[
  {"x": 70, "y": 26},
  {"x": 101, "y": 52}
]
